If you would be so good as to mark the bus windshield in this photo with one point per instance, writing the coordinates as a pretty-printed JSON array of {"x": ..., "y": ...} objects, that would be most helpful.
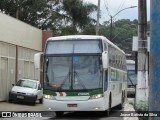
[
  {"x": 132, "y": 77},
  {"x": 73, "y": 73},
  {"x": 72, "y": 47}
]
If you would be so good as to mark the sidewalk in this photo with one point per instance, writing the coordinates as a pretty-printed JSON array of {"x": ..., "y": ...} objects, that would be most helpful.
[{"x": 129, "y": 107}]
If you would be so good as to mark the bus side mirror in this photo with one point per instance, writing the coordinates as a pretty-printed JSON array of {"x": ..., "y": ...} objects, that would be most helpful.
[
  {"x": 37, "y": 60},
  {"x": 105, "y": 60}
]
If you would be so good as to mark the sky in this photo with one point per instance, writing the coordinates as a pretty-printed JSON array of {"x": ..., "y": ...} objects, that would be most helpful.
[{"x": 114, "y": 6}]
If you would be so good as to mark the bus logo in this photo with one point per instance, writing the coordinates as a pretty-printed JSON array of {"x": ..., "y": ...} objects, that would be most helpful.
[{"x": 83, "y": 94}]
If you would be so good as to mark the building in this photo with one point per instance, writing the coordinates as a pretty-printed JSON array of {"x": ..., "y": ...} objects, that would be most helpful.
[{"x": 18, "y": 44}]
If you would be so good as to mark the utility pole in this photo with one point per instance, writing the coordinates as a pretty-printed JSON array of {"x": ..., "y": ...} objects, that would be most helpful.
[
  {"x": 111, "y": 24},
  {"x": 98, "y": 15},
  {"x": 111, "y": 28},
  {"x": 154, "y": 74},
  {"x": 142, "y": 79}
]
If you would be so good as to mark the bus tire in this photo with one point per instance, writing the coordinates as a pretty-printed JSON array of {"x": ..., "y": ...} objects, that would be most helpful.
[
  {"x": 59, "y": 113},
  {"x": 109, "y": 105},
  {"x": 120, "y": 106}
]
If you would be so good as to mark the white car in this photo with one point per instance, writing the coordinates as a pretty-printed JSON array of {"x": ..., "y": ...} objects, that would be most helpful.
[{"x": 26, "y": 90}]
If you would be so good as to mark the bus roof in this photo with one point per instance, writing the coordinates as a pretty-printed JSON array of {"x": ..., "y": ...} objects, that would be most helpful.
[{"x": 77, "y": 37}]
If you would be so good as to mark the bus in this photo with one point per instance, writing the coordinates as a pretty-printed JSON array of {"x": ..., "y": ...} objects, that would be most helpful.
[
  {"x": 132, "y": 78},
  {"x": 82, "y": 73}
]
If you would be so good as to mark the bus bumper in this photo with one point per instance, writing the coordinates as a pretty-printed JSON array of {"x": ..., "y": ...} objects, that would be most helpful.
[{"x": 89, "y": 105}]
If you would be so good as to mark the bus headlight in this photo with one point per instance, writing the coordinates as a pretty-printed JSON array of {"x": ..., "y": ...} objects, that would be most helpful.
[
  {"x": 51, "y": 97},
  {"x": 96, "y": 96}
]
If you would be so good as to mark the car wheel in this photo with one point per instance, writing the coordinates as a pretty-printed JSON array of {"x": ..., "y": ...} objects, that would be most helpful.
[
  {"x": 10, "y": 100},
  {"x": 41, "y": 100},
  {"x": 59, "y": 113},
  {"x": 33, "y": 103}
]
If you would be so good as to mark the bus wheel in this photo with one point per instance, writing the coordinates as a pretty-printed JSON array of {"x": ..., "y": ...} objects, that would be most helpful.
[
  {"x": 120, "y": 106},
  {"x": 109, "y": 106},
  {"x": 59, "y": 113}
]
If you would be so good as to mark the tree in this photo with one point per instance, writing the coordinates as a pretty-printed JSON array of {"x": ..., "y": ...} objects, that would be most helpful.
[
  {"x": 57, "y": 15},
  {"x": 29, "y": 11},
  {"x": 76, "y": 16},
  {"x": 123, "y": 31}
]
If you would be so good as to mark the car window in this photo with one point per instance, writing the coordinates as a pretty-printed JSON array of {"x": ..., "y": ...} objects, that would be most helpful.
[{"x": 26, "y": 83}]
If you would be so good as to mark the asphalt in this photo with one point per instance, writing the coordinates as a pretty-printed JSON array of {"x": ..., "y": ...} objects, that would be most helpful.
[{"x": 23, "y": 107}]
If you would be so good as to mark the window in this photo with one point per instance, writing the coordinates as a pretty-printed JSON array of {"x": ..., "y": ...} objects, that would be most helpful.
[{"x": 77, "y": 46}]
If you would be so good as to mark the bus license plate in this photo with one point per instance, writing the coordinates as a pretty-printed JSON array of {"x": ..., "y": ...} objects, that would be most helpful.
[
  {"x": 71, "y": 105},
  {"x": 20, "y": 97}
]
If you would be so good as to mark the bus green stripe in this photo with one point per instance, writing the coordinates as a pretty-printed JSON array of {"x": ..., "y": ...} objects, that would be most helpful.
[
  {"x": 93, "y": 92},
  {"x": 49, "y": 92}
]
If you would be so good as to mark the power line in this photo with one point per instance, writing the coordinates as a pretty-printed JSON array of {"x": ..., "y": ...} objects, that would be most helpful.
[
  {"x": 107, "y": 7},
  {"x": 121, "y": 5}
]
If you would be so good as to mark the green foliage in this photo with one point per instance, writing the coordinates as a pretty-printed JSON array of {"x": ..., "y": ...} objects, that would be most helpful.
[
  {"x": 90, "y": 30},
  {"x": 142, "y": 107},
  {"x": 123, "y": 31},
  {"x": 29, "y": 11},
  {"x": 62, "y": 16}
]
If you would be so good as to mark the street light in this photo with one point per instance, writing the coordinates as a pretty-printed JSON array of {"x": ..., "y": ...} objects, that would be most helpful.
[{"x": 111, "y": 26}]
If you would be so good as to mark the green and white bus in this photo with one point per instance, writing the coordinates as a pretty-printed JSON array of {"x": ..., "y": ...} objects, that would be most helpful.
[{"x": 82, "y": 73}]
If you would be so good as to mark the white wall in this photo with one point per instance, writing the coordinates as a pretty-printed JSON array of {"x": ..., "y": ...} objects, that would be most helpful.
[
  {"x": 28, "y": 40},
  {"x": 19, "y": 33}
]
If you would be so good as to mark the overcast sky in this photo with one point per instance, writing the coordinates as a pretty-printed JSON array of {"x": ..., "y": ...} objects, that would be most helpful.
[{"x": 116, "y": 5}]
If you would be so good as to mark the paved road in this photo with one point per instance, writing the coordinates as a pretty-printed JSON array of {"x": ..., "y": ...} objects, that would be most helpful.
[
  {"x": 23, "y": 108},
  {"x": 4, "y": 106},
  {"x": 75, "y": 116}
]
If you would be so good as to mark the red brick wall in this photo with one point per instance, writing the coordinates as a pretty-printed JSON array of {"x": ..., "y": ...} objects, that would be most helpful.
[{"x": 45, "y": 36}]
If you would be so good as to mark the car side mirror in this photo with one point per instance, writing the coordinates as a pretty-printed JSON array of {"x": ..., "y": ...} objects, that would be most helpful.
[{"x": 12, "y": 84}]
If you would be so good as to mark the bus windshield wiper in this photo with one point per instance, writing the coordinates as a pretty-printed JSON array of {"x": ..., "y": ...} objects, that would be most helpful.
[
  {"x": 79, "y": 79},
  {"x": 130, "y": 80},
  {"x": 65, "y": 79}
]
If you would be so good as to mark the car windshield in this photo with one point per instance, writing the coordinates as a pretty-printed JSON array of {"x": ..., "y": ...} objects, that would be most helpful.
[
  {"x": 132, "y": 77},
  {"x": 27, "y": 84}
]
